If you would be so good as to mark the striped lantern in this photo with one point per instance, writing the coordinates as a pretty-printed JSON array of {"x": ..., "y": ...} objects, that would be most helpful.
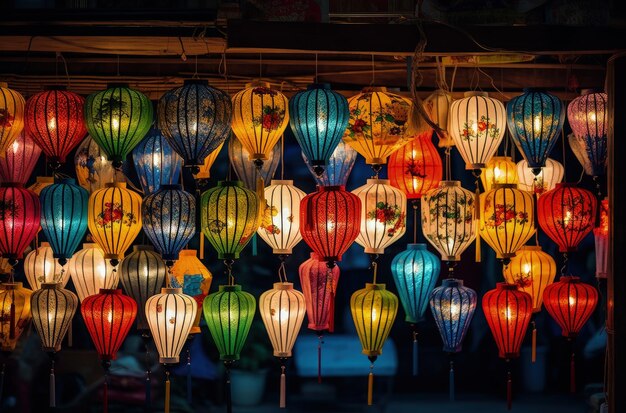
[
  {"x": 14, "y": 314},
  {"x": 570, "y": 303},
  {"x": 437, "y": 106},
  {"x": 337, "y": 168},
  {"x": 282, "y": 309},
  {"x": 588, "y": 118},
  {"x": 532, "y": 270},
  {"x": 544, "y": 181},
  {"x": 19, "y": 160},
  {"x": 40, "y": 267},
  {"x": 156, "y": 162},
  {"x": 246, "y": 171},
  {"x": 453, "y": 306},
  {"x": 91, "y": 271},
  {"x": 319, "y": 285},
  {"x": 601, "y": 237},
  {"x": 93, "y": 169},
  {"x": 19, "y": 219},
  {"x": 499, "y": 170},
  {"x": 11, "y": 116},
  {"x": 53, "y": 309}
]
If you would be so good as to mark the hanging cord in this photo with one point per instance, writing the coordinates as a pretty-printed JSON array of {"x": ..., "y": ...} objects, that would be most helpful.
[
  {"x": 565, "y": 264},
  {"x": 451, "y": 378},
  {"x": 320, "y": 341},
  {"x": 283, "y": 384},
  {"x": 315, "y": 79},
  {"x": 415, "y": 223},
  {"x": 189, "y": 378},
  {"x": 373, "y": 72},
  {"x": 572, "y": 367},
  {"x": 167, "y": 389},
  {"x": 260, "y": 66},
  {"x": 415, "y": 350},
  {"x": 374, "y": 267},
  {"x": 282, "y": 156},
  {"x": 282, "y": 271},
  {"x": 195, "y": 73},
  {"x": 563, "y": 154},
  {"x": 148, "y": 382},
  {"x": 476, "y": 174},
  {"x": 229, "y": 271},
  {"x": 370, "y": 382},
  {"x": 509, "y": 385},
  {"x": 229, "y": 401},
  {"x": 448, "y": 164}
]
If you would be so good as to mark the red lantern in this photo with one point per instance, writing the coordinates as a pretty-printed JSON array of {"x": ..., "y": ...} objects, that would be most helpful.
[
  {"x": 55, "y": 120},
  {"x": 19, "y": 160},
  {"x": 319, "y": 285},
  {"x": 330, "y": 221},
  {"x": 567, "y": 214},
  {"x": 19, "y": 219}
]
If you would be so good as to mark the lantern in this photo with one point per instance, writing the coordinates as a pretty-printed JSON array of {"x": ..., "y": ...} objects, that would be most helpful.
[
  {"x": 499, "y": 170},
  {"x": 535, "y": 120},
  {"x": 448, "y": 219},
  {"x": 19, "y": 219},
  {"x": 40, "y": 266},
  {"x": 205, "y": 169},
  {"x": 437, "y": 106},
  {"x": 476, "y": 124},
  {"x": 259, "y": 119},
  {"x": 601, "y": 237},
  {"x": 416, "y": 167},
  {"x": 90, "y": 271},
  {"x": 169, "y": 220},
  {"x": 544, "y": 181},
  {"x": 506, "y": 219},
  {"x": 5, "y": 267},
  {"x": 156, "y": 162},
  {"x": 14, "y": 314},
  {"x": 143, "y": 274},
  {"x": 93, "y": 169},
  {"x": 318, "y": 118},
  {"x": 280, "y": 225},
  {"x": 247, "y": 171},
  {"x": 40, "y": 183},
  {"x": 588, "y": 117},
  {"x": 567, "y": 214},
  {"x": 11, "y": 116},
  {"x": 378, "y": 124},
  {"x": 54, "y": 118},
  {"x": 20, "y": 159},
  {"x": 114, "y": 218},
  {"x": 532, "y": 270},
  {"x": 64, "y": 217},
  {"x": 330, "y": 221},
  {"x": 319, "y": 285},
  {"x": 229, "y": 217},
  {"x": 337, "y": 168}
]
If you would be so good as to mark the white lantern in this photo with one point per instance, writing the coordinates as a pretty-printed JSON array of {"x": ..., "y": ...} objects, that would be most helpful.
[
  {"x": 90, "y": 271},
  {"x": 282, "y": 309},
  {"x": 41, "y": 267},
  {"x": 437, "y": 105},
  {"x": 546, "y": 180}
]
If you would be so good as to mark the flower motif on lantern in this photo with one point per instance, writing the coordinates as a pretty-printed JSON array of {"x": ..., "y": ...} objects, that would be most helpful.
[
  {"x": 19, "y": 219},
  {"x": 53, "y": 308},
  {"x": 544, "y": 181},
  {"x": 11, "y": 116},
  {"x": 453, "y": 306},
  {"x": 40, "y": 266},
  {"x": 280, "y": 225},
  {"x": 570, "y": 303},
  {"x": 601, "y": 237},
  {"x": 19, "y": 160},
  {"x": 437, "y": 106},
  {"x": 93, "y": 169},
  {"x": 532, "y": 270},
  {"x": 90, "y": 271},
  {"x": 246, "y": 171},
  {"x": 319, "y": 285},
  {"x": 588, "y": 117},
  {"x": 14, "y": 314},
  {"x": 156, "y": 162},
  {"x": 282, "y": 309},
  {"x": 337, "y": 168},
  {"x": 499, "y": 170}
]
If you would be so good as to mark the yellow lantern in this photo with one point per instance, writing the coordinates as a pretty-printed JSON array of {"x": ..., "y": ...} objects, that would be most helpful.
[
  {"x": 114, "y": 218},
  {"x": 41, "y": 182},
  {"x": 5, "y": 267},
  {"x": 205, "y": 169},
  {"x": 11, "y": 116},
  {"x": 532, "y": 270},
  {"x": 90, "y": 271},
  {"x": 41, "y": 267},
  {"x": 499, "y": 170},
  {"x": 14, "y": 314}
]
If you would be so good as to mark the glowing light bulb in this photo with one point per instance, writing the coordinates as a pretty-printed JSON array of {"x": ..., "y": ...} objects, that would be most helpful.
[
  {"x": 321, "y": 123},
  {"x": 52, "y": 123},
  {"x": 526, "y": 269},
  {"x": 156, "y": 160},
  {"x": 455, "y": 310},
  {"x": 572, "y": 301},
  {"x": 115, "y": 123},
  {"x": 15, "y": 146},
  {"x": 475, "y": 128},
  {"x": 537, "y": 124},
  {"x": 592, "y": 116},
  {"x": 497, "y": 173},
  {"x": 194, "y": 127},
  {"x": 567, "y": 218},
  {"x": 330, "y": 225},
  {"x": 374, "y": 315},
  {"x": 508, "y": 313},
  {"x": 110, "y": 316}
]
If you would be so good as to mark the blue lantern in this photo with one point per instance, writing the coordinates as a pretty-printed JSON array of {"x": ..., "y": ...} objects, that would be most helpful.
[
  {"x": 246, "y": 170},
  {"x": 64, "y": 217},
  {"x": 535, "y": 120},
  {"x": 338, "y": 167},
  {"x": 318, "y": 118},
  {"x": 156, "y": 162},
  {"x": 169, "y": 220}
]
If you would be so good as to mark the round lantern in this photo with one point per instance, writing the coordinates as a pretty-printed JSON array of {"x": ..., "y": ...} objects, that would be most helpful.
[
  {"x": 246, "y": 171},
  {"x": 535, "y": 120},
  {"x": 532, "y": 270},
  {"x": 143, "y": 274},
  {"x": 14, "y": 314},
  {"x": 567, "y": 214},
  {"x": 588, "y": 117},
  {"x": 329, "y": 221},
  {"x": 114, "y": 218},
  {"x": 318, "y": 118},
  {"x": 337, "y": 168},
  {"x": 19, "y": 219},
  {"x": 41, "y": 182},
  {"x": 453, "y": 307},
  {"x": 506, "y": 219},
  {"x": 169, "y": 220},
  {"x": 319, "y": 286},
  {"x": 156, "y": 162},
  {"x": 55, "y": 121},
  {"x": 448, "y": 220},
  {"x": 40, "y": 266},
  {"x": 205, "y": 169},
  {"x": 499, "y": 170},
  {"x": 93, "y": 169},
  {"x": 476, "y": 124},
  {"x": 544, "y": 181},
  {"x": 90, "y": 271},
  {"x": 259, "y": 119},
  {"x": 280, "y": 225},
  {"x": 53, "y": 308},
  {"x": 416, "y": 167},
  {"x": 437, "y": 106},
  {"x": 601, "y": 237},
  {"x": 11, "y": 116},
  {"x": 64, "y": 217},
  {"x": 19, "y": 160}
]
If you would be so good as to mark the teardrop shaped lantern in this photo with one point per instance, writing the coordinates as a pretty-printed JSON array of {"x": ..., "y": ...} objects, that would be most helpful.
[
  {"x": 246, "y": 171},
  {"x": 378, "y": 124},
  {"x": 205, "y": 169},
  {"x": 453, "y": 307},
  {"x": 53, "y": 308},
  {"x": 143, "y": 274},
  {"x": 55, "y": 120},
  {"x": 169, "y": 220},
  {"x": 41, "y": 182},
  {"x": 437, "y": 106},
  {"x": 260, "y": 117},
  {"x": 156, "y": 162},
  {"x": 588, "y": 118},
  {"x": 14, "y": 314},
  {"x": 90, "y": 271},
  {"x": 337, "y": 168},
  {"x": 448, "y": 220},
  {"x": 535, "y": 119},
  {"x": 506, "y": 219},
  {"x": 416, "y": 167},
  {"x": 19, "y": 160},
  {"x": 11, "y": 116},
  {"x": 476, "y": 124},
  {"x": 280, "y": 225},
  {"x": 601, "y": 237},
  {"x": 499, "y": 170},
  {"x": 567, "y": 214},
  {"x": 19, "y": 219},
  {"x": 64, "y": 217},
  {"x": 93, "y": 169},
  {"x": 532, "y": 270},
  {"x": 544, "y": 181},
  {"x": 114, "y": 218},
  {"x": 319, "y": 286},
  {"x": 40, "y": 267},
  {"x": 117, "y": 119},
  {"x": 329, "y": 221},
  {"x": 318, "y": 118}
]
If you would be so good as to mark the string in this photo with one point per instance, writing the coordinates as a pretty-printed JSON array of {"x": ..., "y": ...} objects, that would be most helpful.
[
  {"x": 563, "y": 153},
  {"x": 414, "y": 202},
  {"x": 260, "y": 66},
  {"x": 374, "y": 268},
  {"x": 282, "y": 272},
  {"x": 373, "y": 72},
  {"x": 282, "y": 156},
  {"x": 118, "y": 65},
  {"x": 448, "y": 166},
  {"x": 195, "y": 73}
]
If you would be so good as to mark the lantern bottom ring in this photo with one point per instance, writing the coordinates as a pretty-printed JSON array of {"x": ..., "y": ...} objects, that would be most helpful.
[
  {"x": 369, "y": 250},
  {"x": 509, "y": 355},
  {"x": 506, "y": 255},
  {"x": 108, "y": 256},
  {"x": 475, "y": 166},
  {"x": 169, "y": 360},
  {"x": 51, "y": 350},
  {"x": 282, "y": 252},
  {"x": 228, "y": 256},
  {"x": 452, "y": 350},
  {"x": 194, "y": 330},
  {"x": 372, "y": 353},
  {"x": 282, "y": 354},
  {"x": 229, "y": 357},
  {"x": 376, "y": 161},
  {"x": 257, "y": 156}
]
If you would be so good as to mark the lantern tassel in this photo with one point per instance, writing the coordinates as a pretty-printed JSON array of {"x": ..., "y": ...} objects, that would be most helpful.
[
  {"x": 189, "y": 384},
  {"x": 572, "y": 374},
  {"x": 167, "y": 391},
  {"x": 201, "y": 244},
  {"x": 533, "y": 352},
  {"x": 283, "y": 388},
  {"x": 477, "y": 216},
  {"x": 451, "y": 380},
  {"x": 370, "y": 386},
  {"x": 509, "y": 390},
  {"x": 148, "y": 383},
  {"x": 12, "y": 321},
  {"x": 415, "y": 354},
  {"x": 105, "y": 395},
  {"x": 229, "y": 401},
  {"x": 52, "y": 385},
  {"x": 331, "y": 312},
  {"x": 319, "y": 358}
]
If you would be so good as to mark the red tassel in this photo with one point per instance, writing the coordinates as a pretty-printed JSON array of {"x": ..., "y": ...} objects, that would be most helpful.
[
  {"x": 509, "y": 391},
  {"x": 572, "y": 374},
  {"x": 12, "y": 321},
  {"x": 331, "y": 309},
  {"x": 533, "y": 352}
]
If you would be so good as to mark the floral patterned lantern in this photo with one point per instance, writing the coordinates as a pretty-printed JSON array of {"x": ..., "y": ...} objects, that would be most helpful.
[
  {"x": 90, "y": 271},
  {"x": 40, "y": 266},
  {"x": 11, "y": 116},
  {"x": 19, "y": 220},
  {"x": 280, "y": 226},
  {"x": 601, "y": 237},
  {"x": 319, "y": 285},
  {"x": 93, "y": 169},
  {"x": 14, "y": 314},
  {"x": 544, "y": 181},
  {"x": 499, "y": 170},
  {"x": 246, "y": 171},
  {"x": 205, "y": 169},
  {"x": 19, "y": 160},
  {"x": 156, "y": 162},
  {"x": 532, "y": 270},
  {"x": 588, "y": 117},
  {"x": 337, "y": 168},
  {"x": 437, "y": 106}
]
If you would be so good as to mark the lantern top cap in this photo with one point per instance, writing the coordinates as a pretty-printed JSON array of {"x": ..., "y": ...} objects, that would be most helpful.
[
  {"x": 443, "y": 184},
  {"x": 12, "y": 286},
  {"x": 66, "y": 181},
  {"x": 572, "y": 279},
  {"x": 188, "y": 253},
  {"x": 506, "y": 286},
  {"x": 258, "y": 83},
  {"x": 195, "y": 82},
  {"x": 369, "y": 89},
  {"x": 321, "y": 188},
  {"x": 54, "y": 87},
  {"x": 565, "y": 185},
  {"x": 504, "y": 186},
  {"x": 11, "y": 185},
  {"x": 535, "y": 90},
  {"x": 371, "y": 286},
  {"x": 283, "y": 286},
  {"x": 115, "y": 291},
  {"x": 377, "y": 181},
  {"x": 4, "y": 85},
  {"x": 590, "y": 91},
  {"x": 473, "y": 93},
  {"x": 502, "y": 158},
  {"x": 417, "y": 246},
  {"x": 143, "y": 248},
  {"x": 44, "y": 244},
  {"x": 230, "y": 288},
  {"x": 530, "y": 248},
  {"x": 281, "y": 182},
  {"x": 167, "y": 290},
  {"x": 313, "y": 86},
  {"x": 452, "y": 282},
  {"x": 90, "y": 245},
  {"x": 117, "y": 85},
  {"x": 115, "y": 185},
  {"x": 230, "y": 183},
  {"x": 176, "y": 187},
  {"x": 50, "y": 286},
  {"x": 45, "y": 179}
]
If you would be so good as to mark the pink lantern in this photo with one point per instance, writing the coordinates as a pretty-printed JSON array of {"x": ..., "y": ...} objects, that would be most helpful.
[{"x": 20, "y": 159}]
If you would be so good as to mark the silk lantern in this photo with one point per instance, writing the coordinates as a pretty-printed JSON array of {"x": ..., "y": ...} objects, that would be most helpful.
[
  {"x": 318, "y": 118},
  {"x": 280, "y": 225},
  {"x": 40, "y": 267},
  {"x": 319, "y": 286},
  {"x": 532, "y": 270},
  {"x": 205, "y": 169},
  {"x": 437, "y": 106},
  {"x": 601, "y": 237},
  {"x": 156, "y": 162},
  {"x": 544, "y": 181},
  {"x": 19, "y": 160},
  {"x": 91, "y": 271},
  {"x": 246, "y": 171},
  {"x": 11, "y": 116},
  {"x": 499, "y": 170},
  {"x": 40, "y": 183},
  {"x": 535, "y": 119},
  {"x": 19, "y": 220},
  {"x": 54, "y": 118},
  {"x": 93, "y": 169},
  {"x": 337, "y": 168},
  {"x": 588, "y": 118},
  {"x": 14, "y": 314}
]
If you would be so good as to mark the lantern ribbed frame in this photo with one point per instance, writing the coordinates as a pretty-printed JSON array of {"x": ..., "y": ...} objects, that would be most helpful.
[
  {"x": 53, "y": 309},
  {"x": 205, "y": 169},
  {"x": 13, "y": 294},
  {"x": 40, "y": 267},
  {"x": 282, "y": 309},
  {"x": 11, "y": 116},
  {"x": 93, "y": 169},
  {"x": 280, "y": 225},
  {"x": 532, "y": 270},
  {"x": 373, "y": 310},
  {"x": 90, "y": 271},
  {"x": 142, "y": 273},
  {"x": 170, "y": 316},
  {"x": 499, "y": 170},
  {"x": 20, "y": 213},
  {"x": 453, "y": 306},
  {"x": 156, "y": 162},
  {"x": 567, "y": 214},
  {"x": 437, "y": 106},
  {"x": 114, "y": 218},
  {"x": 448, "y": 220},
  {"x": 508, "y": 312},
  {"x": 19, "y": 160},
  {"x": 477, "y": 124},
  {"x": 319, "y": 286},
  {"x": 592, "y": 158},
  {"x": 570, "y": 303},
  {"x": 55, "y": 120},
  {"x": 415, "y": 272},
  {"x": 337, "y": 168},
  {"x": 588, "y": 118},
  {"x": 544, "y": 181},
  {"x": 507, "y": 219},
  {"x": 601, "y": 237},
  {"x": 247, "y": 171},
  {"x": 228, "y": 314},
  {"x": 169, "y": 219}
]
